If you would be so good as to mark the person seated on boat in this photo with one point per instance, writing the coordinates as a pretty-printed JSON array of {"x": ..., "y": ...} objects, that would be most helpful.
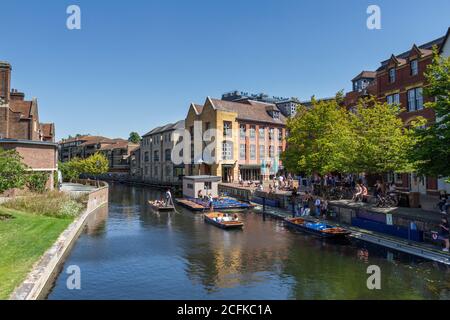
[
  {"x": 235, "y": 217},
  {"x": 200, "y": 194}
]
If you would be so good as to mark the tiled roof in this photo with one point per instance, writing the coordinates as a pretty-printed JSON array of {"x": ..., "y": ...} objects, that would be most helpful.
[
  {"x": 47, "y": 129},
  {"x": 121, "y": 144},
  {"x": 165, "y": 128},
  {"x": 198, "y": 108},
  {"x": 250, "y": 110},
  {"x": 365, "y": 74},
  {"x": 424, "y": 48},
  {"x": 23, "y": 107}
]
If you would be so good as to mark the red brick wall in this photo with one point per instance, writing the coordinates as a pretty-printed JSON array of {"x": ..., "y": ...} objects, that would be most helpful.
[{"x": 35, "y": 156}]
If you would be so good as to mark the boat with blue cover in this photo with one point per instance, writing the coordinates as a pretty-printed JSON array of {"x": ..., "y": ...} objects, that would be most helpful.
[{"x": 317, "y": 228}]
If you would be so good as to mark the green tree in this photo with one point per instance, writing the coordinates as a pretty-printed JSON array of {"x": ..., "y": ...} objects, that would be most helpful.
[
  {"x": 382, "y": 142},
  {"x": 134, "y": 137},
  {"x": 72, "y": 169},
  {"x": 320, "y": 139},
  {"x": 95, "y": 165},
  {"x": 432, "y": 152},
  {"x": 12, "y": 170}
]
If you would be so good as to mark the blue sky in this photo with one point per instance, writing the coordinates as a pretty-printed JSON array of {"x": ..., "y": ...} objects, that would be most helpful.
[{"x": 137, "y": 64}]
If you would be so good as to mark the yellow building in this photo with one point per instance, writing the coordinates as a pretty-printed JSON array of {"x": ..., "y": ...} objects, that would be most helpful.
[{"x": 249, "y": 137}]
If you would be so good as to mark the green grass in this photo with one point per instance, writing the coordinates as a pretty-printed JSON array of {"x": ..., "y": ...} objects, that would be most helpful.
[{"x": 23, "y": 240}]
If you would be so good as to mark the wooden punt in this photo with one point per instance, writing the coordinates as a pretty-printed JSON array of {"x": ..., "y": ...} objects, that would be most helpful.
[
  {"x": 328, "y": 232},
  {"x": 191, "y": 205},
  {"x": 157, "y": 207},
  {"x": 210, "y": 218}
]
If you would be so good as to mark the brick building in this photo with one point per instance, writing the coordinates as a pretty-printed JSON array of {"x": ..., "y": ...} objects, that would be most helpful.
[
  {"x": 21, "y": 130},
  {"x": 118, "y": 154},
  {"x": 117, "y": 151},
  {"x": 251, "y": 136},
  {"x": 401, "y": 80}
]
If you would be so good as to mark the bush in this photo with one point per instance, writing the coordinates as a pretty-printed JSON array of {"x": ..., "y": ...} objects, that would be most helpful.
[
  {"x": 37, "y": 182},
  {"x": 51, "y": 204}
]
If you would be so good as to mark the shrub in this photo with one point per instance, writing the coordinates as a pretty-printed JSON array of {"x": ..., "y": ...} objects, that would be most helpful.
[
  {"x": 37, "y": 182},
  {"x": 51, "y": 204},
  {"x": 12, "y": 170}
]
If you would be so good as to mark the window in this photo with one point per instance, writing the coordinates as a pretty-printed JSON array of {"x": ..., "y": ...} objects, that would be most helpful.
[
  {"x": 280, "y": 151},
  {"x": 414, "y": 67},
  {"x": 262, "y": 152},
  {"x": 270, "y": 151},
  {"x": 146, "y": 156},
  {"x": 276, "y": 115},
  {"x": 146, "y": 170},
  {"x": 393, "y": 99},
  {"x": 252, "y": 152},
  {"x": 227, "y": 150},
  {"x": 242, "y": 152},
  {"x": 227, "y": 129},
  {"x": 155, "y": 171},
  {"x": 262, "y": 133},
  {"x": 271, "y": 133},
  {"x": 190, "y": 186},
  {"x": 392, "y": 75},
  {"x": 242, "y": 130},
  {"x": 208, "y": 185},
  {"x": 415, "y": 99},
  {"x": 168, "y": 154},
  {"x": 207, "y": 134},
  {"x": 252, "y": 132},
  {"x": 156, "y": 156},
  {"x": 280, "y": 135}
]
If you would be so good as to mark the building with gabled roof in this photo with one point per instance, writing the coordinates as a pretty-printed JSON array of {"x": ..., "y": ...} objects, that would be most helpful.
[
  {"x": 21, "y": 130},
  {"x": 249, "y": 137},
  {"x": 155, "y": 151}
]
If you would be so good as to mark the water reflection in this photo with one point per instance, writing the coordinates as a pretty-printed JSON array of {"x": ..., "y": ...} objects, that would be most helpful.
[{"x": 131, "y": 252}]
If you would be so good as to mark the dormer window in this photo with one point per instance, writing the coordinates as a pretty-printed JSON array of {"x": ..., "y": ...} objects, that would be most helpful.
[
  {"x": 414, "y": 67},
  {"x": 392, "y": 75},
  {"x": 276, "y": 115}
]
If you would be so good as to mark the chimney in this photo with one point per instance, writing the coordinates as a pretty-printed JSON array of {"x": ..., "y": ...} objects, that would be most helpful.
[
  {"x": 16, "y": 95},
  {"x": 5, "y": 81}
]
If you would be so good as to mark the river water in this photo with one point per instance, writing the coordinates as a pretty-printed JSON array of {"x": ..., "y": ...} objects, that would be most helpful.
[{"x": 129, "y": 252}]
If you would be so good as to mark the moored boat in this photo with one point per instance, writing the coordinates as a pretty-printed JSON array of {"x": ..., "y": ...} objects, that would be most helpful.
[
  {"x": 223, "y": 221},
  {"x": 317, "y": 228},
  {"x": 160, "y": 206}
]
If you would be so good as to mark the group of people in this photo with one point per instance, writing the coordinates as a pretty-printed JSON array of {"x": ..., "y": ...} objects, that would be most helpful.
[
  {"x": 281, "y": 182},
  {"x": 226, "y": 218},
  {"x": 208, "y": 198},
  {"x": 361, "y": 190},
  {"x": 302, "y": 203}
]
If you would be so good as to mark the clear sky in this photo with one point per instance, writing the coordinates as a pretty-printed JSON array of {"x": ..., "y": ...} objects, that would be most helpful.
[{"x": 137, "y": 64}]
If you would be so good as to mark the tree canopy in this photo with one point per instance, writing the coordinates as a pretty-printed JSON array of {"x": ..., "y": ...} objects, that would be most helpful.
[
  {"x": 432, "y": 152},
  {"x": 12, "y": 170},
  {"x": 134, "y": 137},
  {"x": 327, "y": 137}
]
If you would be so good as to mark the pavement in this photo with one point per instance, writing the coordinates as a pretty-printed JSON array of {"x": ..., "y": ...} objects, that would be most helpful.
[{"x": 418, "y": 214}]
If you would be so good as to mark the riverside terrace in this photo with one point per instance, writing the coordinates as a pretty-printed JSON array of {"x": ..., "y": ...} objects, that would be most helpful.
[{"x": 424, "y": 221}]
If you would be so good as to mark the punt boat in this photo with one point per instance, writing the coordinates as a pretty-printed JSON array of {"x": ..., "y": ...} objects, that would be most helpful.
[
  {"x": 214, "y": 218},
  {"x": 316, "y": 228}
]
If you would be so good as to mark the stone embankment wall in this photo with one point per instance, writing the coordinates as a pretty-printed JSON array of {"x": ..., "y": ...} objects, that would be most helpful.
[{"x": 46, "y": 269}]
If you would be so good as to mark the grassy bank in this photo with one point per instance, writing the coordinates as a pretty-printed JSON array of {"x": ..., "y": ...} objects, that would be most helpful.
[{"x": 28, "y": 228}]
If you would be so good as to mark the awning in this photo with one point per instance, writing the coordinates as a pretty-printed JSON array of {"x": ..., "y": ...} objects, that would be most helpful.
[{"x": 249, "y": 166}]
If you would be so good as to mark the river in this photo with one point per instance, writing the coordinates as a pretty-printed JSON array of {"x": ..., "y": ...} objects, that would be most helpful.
[{"x": 129, "y": 252}]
